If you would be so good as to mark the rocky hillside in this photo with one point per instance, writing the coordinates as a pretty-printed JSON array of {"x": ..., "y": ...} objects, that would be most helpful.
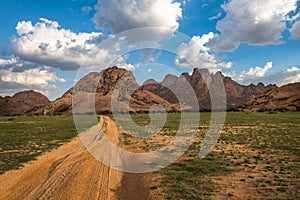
[
  {"x": 101, "y": 86},
  {"x": 22, "y": 103},
  {"x": 201, "y": 81},
  {"x": 285, "y": 98},
  {"x": 104, "y": 86}
]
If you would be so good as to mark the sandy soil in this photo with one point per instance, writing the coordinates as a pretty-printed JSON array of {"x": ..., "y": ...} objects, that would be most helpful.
[{"x": 71, "y": 172}]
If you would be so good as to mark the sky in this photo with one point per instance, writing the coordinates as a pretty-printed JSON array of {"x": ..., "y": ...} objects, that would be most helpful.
[{"x": 48, "y": 45}]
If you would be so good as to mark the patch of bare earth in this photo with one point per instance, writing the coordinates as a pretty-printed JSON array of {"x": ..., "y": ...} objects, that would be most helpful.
[
  {"x": 235, "y": 184},
  {"x": 143, "y": 181},
  {"x": 256, "y": 173},
  {"x": 71, "y": 172}
]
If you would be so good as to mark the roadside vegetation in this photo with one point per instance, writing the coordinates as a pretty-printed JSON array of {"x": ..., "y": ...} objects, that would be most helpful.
[{"x": 22, "y": 139}]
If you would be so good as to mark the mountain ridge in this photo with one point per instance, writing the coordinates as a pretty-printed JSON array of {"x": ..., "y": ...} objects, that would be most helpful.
[
  {"x": 201, "y": 81},
  {"x": 284, "y": 98},
  {"x": 142, "y": 98},
  {"x": 102, "y": 86}
]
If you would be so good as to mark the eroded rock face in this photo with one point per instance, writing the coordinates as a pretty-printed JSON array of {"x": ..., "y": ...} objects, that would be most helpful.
[
  {"x": 113, "y": 82},
  {"x": 285, "y": 98},
  {"x": 121, "y": 84},
  {"x": 61, "y": 105},
  {"x": 22, "y": 103},
  {"x": 202, "y": 82},
  {"x": 102, "y": 85}
]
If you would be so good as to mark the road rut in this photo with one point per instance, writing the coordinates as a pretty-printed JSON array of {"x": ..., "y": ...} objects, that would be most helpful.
[{"x": 71, "y": 172}]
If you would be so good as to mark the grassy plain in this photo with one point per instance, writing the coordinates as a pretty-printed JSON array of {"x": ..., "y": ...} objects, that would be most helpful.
[
  {"x": 22, "y": 139},
  {"x": 257, "y": 155}
]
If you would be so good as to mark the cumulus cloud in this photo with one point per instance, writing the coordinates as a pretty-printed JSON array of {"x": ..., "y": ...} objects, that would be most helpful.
[
  {"x": 196, "y": 53},
  {"x": 257, "y": 71},
  {"x": 295, "y": 30},
  {"x": 16, "y": 75},
  {"x": 127, "y": 66},
  {"x": 30, "y": 77},
  {"x": 129, "y": 14},
  {"x": 46, "y": 43},
  {"x": 259, "y": 74},
  {"x": 252, "y": 75},
  {"x": 11, "y": 61},
  {"x": 9, "y": 89},
  {"x": 293, "y": 69},
  {"x": 255, "y": 22},
  {"x": 24, "y": 27},
  {"x": 289, "y": 78},
  {"x": 290, "y": 75}
]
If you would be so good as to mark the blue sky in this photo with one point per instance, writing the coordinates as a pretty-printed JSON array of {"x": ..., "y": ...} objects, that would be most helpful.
[{"x": 45, "y": 44}]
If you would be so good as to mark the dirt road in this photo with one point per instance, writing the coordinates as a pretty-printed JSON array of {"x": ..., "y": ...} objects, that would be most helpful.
[{"x": 71, "y": 172}]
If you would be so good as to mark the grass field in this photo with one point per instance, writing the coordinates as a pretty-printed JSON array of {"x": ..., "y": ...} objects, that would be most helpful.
[
  {"x": 257, "y": 155},
  {"x": 24, "y": 138}
]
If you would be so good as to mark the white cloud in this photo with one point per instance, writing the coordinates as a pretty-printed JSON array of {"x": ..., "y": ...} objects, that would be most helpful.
[
  {"x": 295, "y": 30},
  {"x": 24, "y": 27},
  {"x": 127, "y": 66},
  {"x": 215, "y": 17},
  {"x": 204, "y": 5},
  {"x": 11, "y": 61},
  {"x": 293, "y": 69},
  {"x": 258, "y": 74},
  {"x": 17, "y": 75},
  {"x": 129, "y": 14},
  {"x": 30, "y": 77},
  {"x": 252, "y": 74},
  {"x": 9, "y": 89},
  {"x": 257, "y": 71},
  {"x": 17, "y": 71},
  {"x": 289, "y": 78},
  {"x": 121, "y": 62},
  {"x": 196, "y": 53},
  {"x": 48, "y": 44},
  {"x": 290, "y": 75},
  {"x": 255, "y": 22}
]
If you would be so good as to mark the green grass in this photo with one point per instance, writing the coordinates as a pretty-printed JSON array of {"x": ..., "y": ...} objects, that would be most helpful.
[
  {"x": 272, "y": 142},
  {"x": 191, "y": 179},
  {"x": 271, "y": 162},
  {"x": 22, "y": 139}
]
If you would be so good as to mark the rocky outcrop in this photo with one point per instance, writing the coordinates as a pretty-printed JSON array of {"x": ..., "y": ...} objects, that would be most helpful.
[
  {"x": 113, "y": 84},
  {"x": 120, "y": 87},
  {"x": 202, "y": 82},
  {"x": 285, "y": 98},
  {"x": 245, "y": 98},
  {"x": 22, "y": 103}
]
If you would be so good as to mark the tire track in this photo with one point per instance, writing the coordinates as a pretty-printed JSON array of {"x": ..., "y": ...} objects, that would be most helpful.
[
  {"x": 103, "y": 192},
  {"x": 56, "y": 182},
  {"x": 94, "y": 186},
  {"x": 70, "y": 172}
]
